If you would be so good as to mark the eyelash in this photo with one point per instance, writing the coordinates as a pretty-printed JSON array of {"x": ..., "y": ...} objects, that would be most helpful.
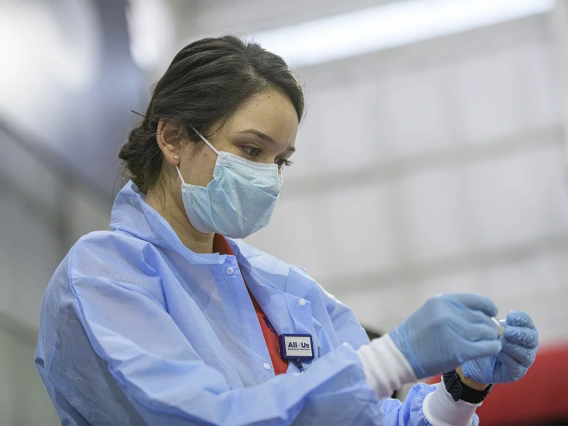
[
  {"x": 285, "y": 163},
  {"x": 257, "y": 151}
]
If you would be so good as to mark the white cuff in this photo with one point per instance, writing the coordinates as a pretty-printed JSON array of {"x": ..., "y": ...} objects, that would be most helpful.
[
  {"x": 440, "y": 409},
  {"x": 386, "y": 369}
]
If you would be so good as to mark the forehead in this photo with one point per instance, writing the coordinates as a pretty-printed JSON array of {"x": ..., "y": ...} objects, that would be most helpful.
[{"x": 269, "y": 112}]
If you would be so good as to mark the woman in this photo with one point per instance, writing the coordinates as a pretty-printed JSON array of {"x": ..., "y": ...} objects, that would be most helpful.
[{"x": 168, "y": 320}]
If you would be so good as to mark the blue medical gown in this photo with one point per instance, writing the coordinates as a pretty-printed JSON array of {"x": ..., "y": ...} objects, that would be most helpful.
[{"x": 138, "y": 329}]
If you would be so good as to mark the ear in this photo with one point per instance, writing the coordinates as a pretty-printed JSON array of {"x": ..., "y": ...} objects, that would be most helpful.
[{"x": 169, "y": 138}]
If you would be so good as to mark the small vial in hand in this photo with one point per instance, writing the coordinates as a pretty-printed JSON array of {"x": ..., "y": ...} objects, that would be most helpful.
[{"x": 501, "y": 324}]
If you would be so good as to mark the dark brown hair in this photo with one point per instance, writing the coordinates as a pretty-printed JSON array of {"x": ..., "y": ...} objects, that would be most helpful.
[{"x": 207, "y": 81}]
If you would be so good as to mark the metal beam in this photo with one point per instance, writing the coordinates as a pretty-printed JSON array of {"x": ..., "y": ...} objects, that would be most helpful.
[
  {"x": 455, "y": 155},
  {"x": 64, "y": 170},
  {"x": 460, "y": 263}
]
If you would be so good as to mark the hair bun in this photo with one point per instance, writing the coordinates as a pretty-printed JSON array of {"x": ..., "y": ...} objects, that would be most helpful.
[{"x": 133, "y": 154}]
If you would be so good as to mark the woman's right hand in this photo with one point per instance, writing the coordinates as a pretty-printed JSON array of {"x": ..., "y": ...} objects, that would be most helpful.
[{"x": 447, "y": 331}]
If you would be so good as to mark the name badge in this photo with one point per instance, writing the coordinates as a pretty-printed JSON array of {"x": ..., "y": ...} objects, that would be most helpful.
[{"x": 296, "y": 346}]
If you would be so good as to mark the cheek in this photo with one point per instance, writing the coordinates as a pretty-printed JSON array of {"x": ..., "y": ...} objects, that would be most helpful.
[{"x": 199, "y": 169}]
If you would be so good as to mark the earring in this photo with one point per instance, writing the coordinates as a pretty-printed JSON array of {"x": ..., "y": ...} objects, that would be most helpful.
[{"x": 176, "y": 157}]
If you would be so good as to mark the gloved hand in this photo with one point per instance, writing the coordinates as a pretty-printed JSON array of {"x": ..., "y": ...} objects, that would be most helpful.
[
  {"x": 520, "y": 343},
  {"x": 447, "y": 331}
]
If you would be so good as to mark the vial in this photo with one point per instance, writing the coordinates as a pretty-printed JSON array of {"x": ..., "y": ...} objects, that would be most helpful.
[{"x": 501, "y": 325}]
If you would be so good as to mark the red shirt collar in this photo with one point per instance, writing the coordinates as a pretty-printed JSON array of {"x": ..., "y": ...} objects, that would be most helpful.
[{"x": 221, "y": 245}]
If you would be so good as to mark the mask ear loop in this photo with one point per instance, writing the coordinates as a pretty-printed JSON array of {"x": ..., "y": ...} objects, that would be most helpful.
[
  {"x": 180, "y": 176},
  {"x": 205, "y": 140}
]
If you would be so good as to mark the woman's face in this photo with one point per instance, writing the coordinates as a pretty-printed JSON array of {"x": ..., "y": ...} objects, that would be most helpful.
[{"x": 262, "y": 130}]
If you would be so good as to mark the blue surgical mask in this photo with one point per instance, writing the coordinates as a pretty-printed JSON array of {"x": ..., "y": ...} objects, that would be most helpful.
[{"x": 238, "y": 201}]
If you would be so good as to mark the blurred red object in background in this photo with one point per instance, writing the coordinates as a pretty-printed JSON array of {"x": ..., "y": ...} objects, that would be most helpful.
[{"x": 539, "y": 398}]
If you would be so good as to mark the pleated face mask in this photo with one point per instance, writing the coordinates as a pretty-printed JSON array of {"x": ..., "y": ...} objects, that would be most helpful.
[{"x": 238, "y": 201}]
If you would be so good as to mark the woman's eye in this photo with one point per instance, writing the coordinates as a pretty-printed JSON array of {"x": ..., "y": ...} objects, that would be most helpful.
[{"x": 252, "y": 151}]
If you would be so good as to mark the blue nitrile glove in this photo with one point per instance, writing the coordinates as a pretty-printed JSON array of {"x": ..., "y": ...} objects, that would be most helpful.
[
  {"x": 447, "y": 331},
  {"x": 520, "y": 343}
]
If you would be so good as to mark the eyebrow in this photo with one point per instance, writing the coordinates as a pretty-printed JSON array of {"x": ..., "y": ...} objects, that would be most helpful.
[{"x": 265, "y": 137}]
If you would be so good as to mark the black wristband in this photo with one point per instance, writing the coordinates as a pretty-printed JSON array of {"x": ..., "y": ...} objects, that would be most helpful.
[{"x": 459, "y": 390}]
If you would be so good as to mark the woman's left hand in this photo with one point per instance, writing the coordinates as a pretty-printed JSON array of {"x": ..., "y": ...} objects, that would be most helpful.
[{"x": 520, "y": 343}]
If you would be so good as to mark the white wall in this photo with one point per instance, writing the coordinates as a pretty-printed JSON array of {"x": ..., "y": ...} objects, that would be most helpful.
[{"x": 436, "y": 167}]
